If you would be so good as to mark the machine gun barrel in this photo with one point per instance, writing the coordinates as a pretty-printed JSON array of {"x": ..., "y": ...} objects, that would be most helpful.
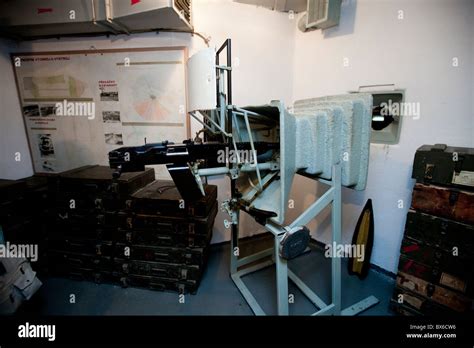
[
  {"x": 179, "y": 157},
  {"x": 135, "y": 158}
]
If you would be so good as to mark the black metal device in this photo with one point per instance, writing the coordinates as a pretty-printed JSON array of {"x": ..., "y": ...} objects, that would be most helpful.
[{"x": 179, "y": 158}]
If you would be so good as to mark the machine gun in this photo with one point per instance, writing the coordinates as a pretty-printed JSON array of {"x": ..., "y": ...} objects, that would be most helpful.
[
  {"x": 310, "y": 142},
  {"x": 188, "y": 161},
  {"x": 265, "y": 134}
]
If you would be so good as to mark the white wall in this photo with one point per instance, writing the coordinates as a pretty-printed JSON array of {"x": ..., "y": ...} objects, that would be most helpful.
[
  {"x": 414, "y": 53},
  {"x": 12, "y": 130},
  {"x": 259, "y": 52}
]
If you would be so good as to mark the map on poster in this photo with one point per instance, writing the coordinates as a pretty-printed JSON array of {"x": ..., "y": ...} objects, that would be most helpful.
[
  {"x": 78, "y": 106},
  {"x": 148, "y": 99}
]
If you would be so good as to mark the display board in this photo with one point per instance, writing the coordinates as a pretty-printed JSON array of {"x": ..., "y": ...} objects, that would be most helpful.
[{"x": 79, "y": 105}]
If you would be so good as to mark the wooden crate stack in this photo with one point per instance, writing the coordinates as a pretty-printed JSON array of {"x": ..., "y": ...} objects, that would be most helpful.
[
  {"x": 133, "y": 231},
  {"x": 436, "y": 267}
]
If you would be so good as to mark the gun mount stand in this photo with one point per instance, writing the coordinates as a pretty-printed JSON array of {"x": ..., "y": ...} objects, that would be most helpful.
[
  {"x": 274, "y": 129},
  {"x": 237, "y": 271}
]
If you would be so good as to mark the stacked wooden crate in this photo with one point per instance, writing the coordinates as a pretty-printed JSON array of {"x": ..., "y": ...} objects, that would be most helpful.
[
  {"x": 164, "y": 241},
  {"x": 133, "y": 231},
  {"x": 83, "y": 220},
  {"x": 436, "y": 267}
]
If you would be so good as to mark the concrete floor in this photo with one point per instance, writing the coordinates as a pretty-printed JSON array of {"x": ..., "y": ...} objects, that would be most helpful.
[{"x": 217, "y": 294}]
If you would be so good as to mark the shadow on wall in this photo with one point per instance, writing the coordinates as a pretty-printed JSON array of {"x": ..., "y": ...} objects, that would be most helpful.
[{"x": 347, "y": 21}]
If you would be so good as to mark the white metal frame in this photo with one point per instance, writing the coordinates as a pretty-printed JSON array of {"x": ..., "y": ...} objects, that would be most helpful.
[
  {"x": 238, "y": 265},
  {"x": 331, "y": 197}
]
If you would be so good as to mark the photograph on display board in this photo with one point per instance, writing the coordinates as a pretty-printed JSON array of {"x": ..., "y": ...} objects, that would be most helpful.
[
  {"x": 48, "y": 110},
  {"x": 45, "y": 145},
  {"x": 111, "y": 116},
  {"x": 31, "y": 110},
  {"x": 113, "y": 139}
]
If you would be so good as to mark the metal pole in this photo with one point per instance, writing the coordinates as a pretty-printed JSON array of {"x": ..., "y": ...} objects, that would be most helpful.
[
  {"x": 281, "y": 279},
  {"x": 228, "y": 127},
  {"x": 229, "y": 73},
  {"x": 234, "y": 246},
  {"x": 336, "y": 238}
]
